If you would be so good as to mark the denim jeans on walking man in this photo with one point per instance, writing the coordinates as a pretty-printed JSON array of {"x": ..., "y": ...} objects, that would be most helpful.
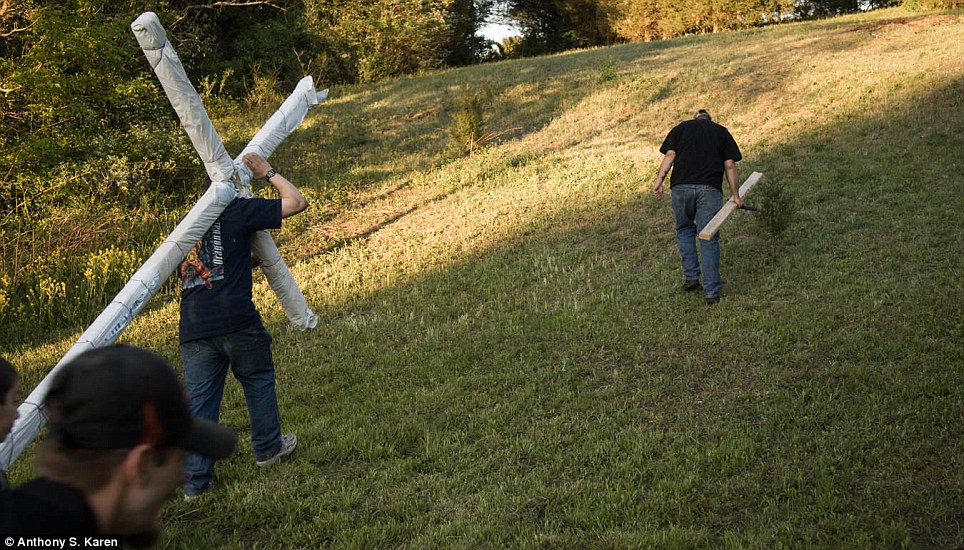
[
  {"x": 205, "y": 368},
  {"x": 694, "y": 206}
]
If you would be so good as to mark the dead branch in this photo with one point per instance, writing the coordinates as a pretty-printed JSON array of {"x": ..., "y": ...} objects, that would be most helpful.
[
  {"x": 225, "y": 3},
  {"x": 15, "y": 30}
]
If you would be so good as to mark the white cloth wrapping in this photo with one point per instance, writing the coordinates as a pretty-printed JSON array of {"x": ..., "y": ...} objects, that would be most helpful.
[
  {"x": 105, "y": 329},
  {"x": 283, "y": 282},
  {"x": 284, "y": 121},
  {"x": 219, "y": 165},
  {"x": 182, "y": 95},
  {"x": 230, "y": 178}
]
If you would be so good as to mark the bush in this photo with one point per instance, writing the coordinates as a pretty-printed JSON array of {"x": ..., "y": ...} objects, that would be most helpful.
[
  {"x": 62, "y": 290},
  {"x": 84, "y": 120},
  {"x": 608, "y": 71},
  {"x": 263, "y": 91},
  {"x": 924, "y": 5},
  {"x": 467, "y": 131},
  {"x": 776, "y": 204}
]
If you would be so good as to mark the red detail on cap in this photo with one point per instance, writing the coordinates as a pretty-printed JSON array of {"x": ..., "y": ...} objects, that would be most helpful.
[{"x": 153, "y": 433}]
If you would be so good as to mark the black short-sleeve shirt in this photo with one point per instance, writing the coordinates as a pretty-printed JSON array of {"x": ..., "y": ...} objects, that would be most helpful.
[
  {"x": 701, "y": 148},
  {"x": 216, "y": 276}
]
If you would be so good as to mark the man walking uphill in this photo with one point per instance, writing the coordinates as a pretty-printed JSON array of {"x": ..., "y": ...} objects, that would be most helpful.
[
  {"x": 699, "y": 151},
  {"x": 220, "y": 325}
]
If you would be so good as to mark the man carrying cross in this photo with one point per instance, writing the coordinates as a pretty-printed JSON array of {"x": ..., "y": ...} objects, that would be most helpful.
[
  {"x": 230, "y": 178},
  {"x": 221, "y": 327}
]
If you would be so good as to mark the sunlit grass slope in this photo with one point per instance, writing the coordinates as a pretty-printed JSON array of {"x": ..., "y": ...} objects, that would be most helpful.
[{"x": 504, "y": 358}]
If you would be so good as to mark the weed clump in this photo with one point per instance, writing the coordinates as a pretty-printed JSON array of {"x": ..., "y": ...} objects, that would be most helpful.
[
  {"x": 262, "y": 93},
  {"x": 776, "y": 204},
  {"x": 608, "y": 71},
  {"x": 467, "y": 130}
]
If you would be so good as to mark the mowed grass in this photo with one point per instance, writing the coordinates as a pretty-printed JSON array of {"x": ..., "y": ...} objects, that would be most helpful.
[{"x": 504, "y": 358}]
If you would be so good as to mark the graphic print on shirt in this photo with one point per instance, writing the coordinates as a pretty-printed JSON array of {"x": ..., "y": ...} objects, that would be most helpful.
[{"x": 205, "y": 262}]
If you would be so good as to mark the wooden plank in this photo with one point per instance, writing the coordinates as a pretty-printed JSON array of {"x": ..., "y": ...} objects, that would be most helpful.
[{"x": 711, "y": 228}]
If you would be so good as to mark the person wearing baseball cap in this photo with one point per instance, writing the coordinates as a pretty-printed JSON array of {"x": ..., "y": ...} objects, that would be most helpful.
[{"x": 119, "y": 429}]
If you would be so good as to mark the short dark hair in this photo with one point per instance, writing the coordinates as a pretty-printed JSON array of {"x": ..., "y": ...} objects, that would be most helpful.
[
  {"x": 8, "y": 377},
  {"x": 84, "y": 469},
  {"x": 88, "y": 469},
  {"x": 702, "y": 114}
]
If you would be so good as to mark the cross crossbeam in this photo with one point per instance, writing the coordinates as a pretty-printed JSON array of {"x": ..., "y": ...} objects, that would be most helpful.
[{"x": 230, "y": 179}]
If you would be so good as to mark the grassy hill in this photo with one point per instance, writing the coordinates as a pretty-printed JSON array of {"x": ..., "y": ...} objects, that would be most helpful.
[{"x": 504, "y": 358}]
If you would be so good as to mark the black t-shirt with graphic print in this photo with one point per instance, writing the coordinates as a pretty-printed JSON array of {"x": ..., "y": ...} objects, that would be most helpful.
[{"x": 216, "y": 275}]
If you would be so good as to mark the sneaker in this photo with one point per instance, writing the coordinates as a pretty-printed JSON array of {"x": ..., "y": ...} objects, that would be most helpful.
[
  {"x": 710, "y": 300},
  {"x": 288, "y": 444},
  {"x": 691, "y": 284}
]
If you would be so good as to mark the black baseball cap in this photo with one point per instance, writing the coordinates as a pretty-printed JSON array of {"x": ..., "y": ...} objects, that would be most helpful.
[{"x": 117, "y": 397}]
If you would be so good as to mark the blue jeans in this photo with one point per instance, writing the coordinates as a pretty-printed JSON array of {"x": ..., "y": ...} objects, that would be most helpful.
[
  {"x": 694, "y": 207},
  {"x": 206, "y": 361}
]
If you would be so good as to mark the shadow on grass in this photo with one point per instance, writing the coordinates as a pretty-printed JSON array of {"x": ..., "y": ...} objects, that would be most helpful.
[
  {"x": 557, "y": 387},
  {"x": 562, "y": 377}
]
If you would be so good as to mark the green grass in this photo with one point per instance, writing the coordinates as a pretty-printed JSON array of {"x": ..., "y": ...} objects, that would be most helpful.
[{"x": 504, "y": 358}]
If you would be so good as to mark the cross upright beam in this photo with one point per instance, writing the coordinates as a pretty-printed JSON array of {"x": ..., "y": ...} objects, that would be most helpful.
[
  {"x": 219, "y": 165},
  {"x": 230, "y": 178}
]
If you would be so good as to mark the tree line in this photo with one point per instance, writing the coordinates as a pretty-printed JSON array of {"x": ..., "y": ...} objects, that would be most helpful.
[
  {"x": 77, "y": 103},
  {"x": 556, "y": 25}
]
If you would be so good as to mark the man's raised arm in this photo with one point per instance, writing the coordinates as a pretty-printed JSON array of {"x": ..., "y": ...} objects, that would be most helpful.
[{"x": 292, "y": 201}]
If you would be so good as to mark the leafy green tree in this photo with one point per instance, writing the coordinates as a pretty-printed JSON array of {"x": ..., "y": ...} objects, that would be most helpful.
[
  {"x": 375, "y": 39},
  {"x": 824, "y": 8},
  {"x": 552, "y": 25},
  {"x": 465, "y": 46},
  {"x": 70, "y": 93},
  {"x": 545, "y": 28},
  {"x": 639, "y": 20}
]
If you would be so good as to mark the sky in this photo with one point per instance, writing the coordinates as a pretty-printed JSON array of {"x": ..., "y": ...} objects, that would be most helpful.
[{"x": 496, "y": 32}]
